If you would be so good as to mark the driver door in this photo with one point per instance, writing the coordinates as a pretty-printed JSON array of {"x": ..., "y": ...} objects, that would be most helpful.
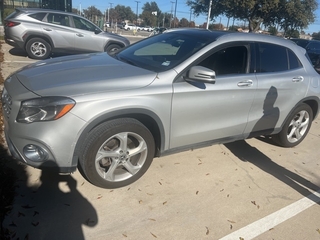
[{"x": 206, "y": 112}]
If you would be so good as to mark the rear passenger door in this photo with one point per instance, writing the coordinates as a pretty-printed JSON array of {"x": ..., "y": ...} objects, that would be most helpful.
[
  {"x": 57, "y": 27},
  {"x": 282, "y": 83}
]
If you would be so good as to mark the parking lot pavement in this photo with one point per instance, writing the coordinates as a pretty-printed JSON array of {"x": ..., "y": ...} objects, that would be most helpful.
[{"x": 244, "y": 190}]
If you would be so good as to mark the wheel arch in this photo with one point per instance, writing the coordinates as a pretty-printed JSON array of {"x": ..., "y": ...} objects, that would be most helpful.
[
  {"x": 113, "y": 42},
  {"x": 312, "y": 102},
  {"x": 146, "y": 117},
  {"x": 33, "y": 35}
]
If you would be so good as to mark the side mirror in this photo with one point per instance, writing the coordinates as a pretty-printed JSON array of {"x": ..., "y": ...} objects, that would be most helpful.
[
  {"x": 201, "y": 74},
  {"x": 97, "y": 31}
]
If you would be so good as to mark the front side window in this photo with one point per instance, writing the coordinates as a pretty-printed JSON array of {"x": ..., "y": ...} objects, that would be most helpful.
[
  {"x": 83, "y": 24},
  {"x": 229, "y": 60}
]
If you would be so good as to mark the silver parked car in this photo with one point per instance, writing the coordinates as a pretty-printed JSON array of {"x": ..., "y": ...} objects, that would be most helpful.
[
  {"x": 41, "y": 32},
  {"x": 186, "y": 88}
]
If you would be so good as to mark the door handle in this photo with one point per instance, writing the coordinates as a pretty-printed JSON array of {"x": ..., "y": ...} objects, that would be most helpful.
[
  {"x": 297, "y": 79},
  {"x": 47, "y": 29},
  {"x": 80, "y": 35},
  {"x": 247, "y": 83}
]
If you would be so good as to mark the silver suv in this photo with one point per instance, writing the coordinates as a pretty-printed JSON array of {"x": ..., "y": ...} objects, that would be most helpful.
[
  {"x": 41, "y": 32},
  {"x": 112, "y": 114}
]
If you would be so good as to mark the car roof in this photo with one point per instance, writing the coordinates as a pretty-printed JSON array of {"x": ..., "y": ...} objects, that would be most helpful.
[
  {"x": 231, "y": 36},
  {"x": 34, "y": 10}
]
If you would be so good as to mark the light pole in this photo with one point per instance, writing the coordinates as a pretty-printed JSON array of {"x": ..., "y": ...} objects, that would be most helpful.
[
  {"x": 171, "y": 12},
  {"x": 175, "y": 15},
  {"x": 137, "y": 10},
  {"x": 209, "y": 13},
  {"x": 109, "y": 14}
]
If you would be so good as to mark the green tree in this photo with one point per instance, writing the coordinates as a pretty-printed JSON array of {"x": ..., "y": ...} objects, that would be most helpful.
[
  {"x": 121, "y": 13},
  {"x": 74, "y": 10},
  {"x": 202, "y": 7},
  {"x": 151, "y": 14},
  {"x": 91, "y": 13},
  {"x": 289, "y": 14},
  {"x": 183, "y": 22},
  {"x": 273, "y": 30},
  {"x": 292, "y": 33},
  {"x": 295, "y": 14},
  {"x": 316, "y": 36}
]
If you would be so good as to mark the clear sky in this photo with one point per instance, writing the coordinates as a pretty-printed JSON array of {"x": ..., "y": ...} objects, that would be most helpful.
[{"x": 182, "y": 10}]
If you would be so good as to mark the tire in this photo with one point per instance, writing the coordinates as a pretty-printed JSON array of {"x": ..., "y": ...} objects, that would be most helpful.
[
  {"x": 37, "y": 48},
  {"x": 296, "y": 127},
  {"x": 117, "y": 153},
  {"x": 112, "y": 48}
]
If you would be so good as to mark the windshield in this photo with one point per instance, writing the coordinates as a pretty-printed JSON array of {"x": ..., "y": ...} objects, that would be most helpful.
[{"x": 162, "y": 52}]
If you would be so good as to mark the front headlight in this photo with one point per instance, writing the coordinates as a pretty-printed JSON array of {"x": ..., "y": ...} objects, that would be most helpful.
[{"x": 44, "y": 109}]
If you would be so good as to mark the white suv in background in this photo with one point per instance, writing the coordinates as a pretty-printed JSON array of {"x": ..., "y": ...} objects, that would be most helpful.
[{"x": 131, "y": 27}]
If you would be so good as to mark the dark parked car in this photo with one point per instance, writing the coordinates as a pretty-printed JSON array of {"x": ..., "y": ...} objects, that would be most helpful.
[
  {"x": 41, "y": 32},
  {"x": 112, "y": 114},
  {"x": 313, "y": 50}
]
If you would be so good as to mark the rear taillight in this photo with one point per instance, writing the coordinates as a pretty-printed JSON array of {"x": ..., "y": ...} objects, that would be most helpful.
[{"x": 11, "y": 23}]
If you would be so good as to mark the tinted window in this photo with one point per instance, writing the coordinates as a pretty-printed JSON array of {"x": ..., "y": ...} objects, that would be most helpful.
[
  {"x": 38, "y": 16},
  {"x": 301, "y": 42},
  {"x": 59, "y": 19},
  {"x": 294, "y": 62},
  {"x": 272, "y": 58},
  {"x": 163, "y": 51},
  {"x": 313, "y": 46},
  {"x": 230, "y": 60},
  {"x": 83, "y": 24}
]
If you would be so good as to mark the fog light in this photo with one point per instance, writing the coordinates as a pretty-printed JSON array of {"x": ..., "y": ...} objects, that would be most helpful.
[{"x": 35, "y": 153}]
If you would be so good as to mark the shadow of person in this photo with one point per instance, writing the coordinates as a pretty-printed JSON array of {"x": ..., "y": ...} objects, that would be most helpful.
[
  {"x": 59, "y": 210},
  {"x": 270, "y": 117},
  {"x": 246, "y": 152}
]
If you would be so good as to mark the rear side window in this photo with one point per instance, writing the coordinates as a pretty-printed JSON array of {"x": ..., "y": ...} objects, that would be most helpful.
[
  {"x": 58, "y": 19},
  {"x": 275, "y": 58},
  {"x": 38, "y": 16}
]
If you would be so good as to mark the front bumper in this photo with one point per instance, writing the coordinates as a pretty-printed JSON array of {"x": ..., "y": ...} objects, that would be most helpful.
[{"x": 55, "y": 139}]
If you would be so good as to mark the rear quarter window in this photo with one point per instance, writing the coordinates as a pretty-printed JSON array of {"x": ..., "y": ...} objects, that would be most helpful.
[{"x": 38, "y": 16}]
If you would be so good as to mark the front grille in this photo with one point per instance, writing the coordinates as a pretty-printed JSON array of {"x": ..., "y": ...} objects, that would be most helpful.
[{"x": 6, "y": 103}]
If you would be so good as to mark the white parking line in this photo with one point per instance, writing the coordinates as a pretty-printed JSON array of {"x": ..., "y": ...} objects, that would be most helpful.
[{"x": 265, "y": 224}]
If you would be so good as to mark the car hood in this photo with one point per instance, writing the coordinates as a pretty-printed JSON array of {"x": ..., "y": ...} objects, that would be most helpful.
[
  {"x": 82, "y": 74},
  {"x": 116, "y": 36}
]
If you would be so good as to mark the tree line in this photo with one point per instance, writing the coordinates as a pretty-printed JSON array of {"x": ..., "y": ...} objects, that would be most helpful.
[
  {"x": 288, "y": 15},
  {"x": 151, "y": 16}
]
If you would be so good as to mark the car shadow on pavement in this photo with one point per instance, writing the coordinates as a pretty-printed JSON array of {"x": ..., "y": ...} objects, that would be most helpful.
[
  {"x": 18, "y": 52},
  {"x": 248, "y": 153},
  {"x": 55, "y": 209}
]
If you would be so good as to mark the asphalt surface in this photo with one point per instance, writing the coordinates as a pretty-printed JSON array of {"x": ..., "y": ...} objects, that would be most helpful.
[{"x": 244, "y": 190}]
